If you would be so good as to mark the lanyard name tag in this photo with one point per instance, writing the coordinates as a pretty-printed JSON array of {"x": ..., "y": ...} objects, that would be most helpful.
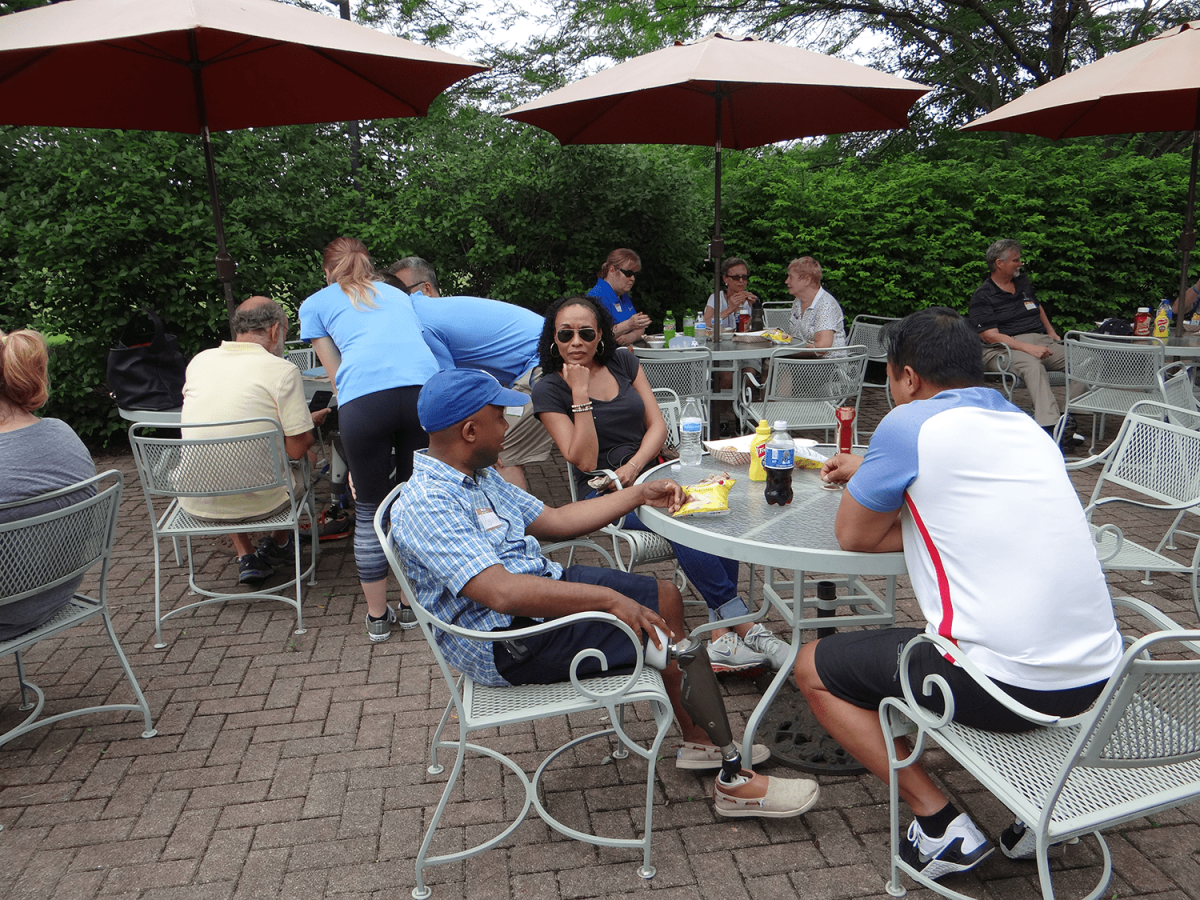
[
  {"x": 514, "y": 411},
  {"x": 488, "y": 520},
  {"x": 618, "y": 306},
  {"x": 1030, "y": 305}
]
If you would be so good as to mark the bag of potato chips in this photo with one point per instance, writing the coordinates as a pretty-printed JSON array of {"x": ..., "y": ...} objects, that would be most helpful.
[{"x": 709, "y": 497}]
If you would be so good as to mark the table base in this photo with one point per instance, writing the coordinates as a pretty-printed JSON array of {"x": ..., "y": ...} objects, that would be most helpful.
[{"x": 797, "y": 740}]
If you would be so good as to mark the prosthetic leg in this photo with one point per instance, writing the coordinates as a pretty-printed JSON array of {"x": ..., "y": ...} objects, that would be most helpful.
[{"x": 701, "y": 697}]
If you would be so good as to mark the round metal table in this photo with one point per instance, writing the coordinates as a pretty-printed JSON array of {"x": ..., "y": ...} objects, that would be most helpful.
[
  {"x": 799, "y": 537},
  {"x": 1184, "y": 346}
]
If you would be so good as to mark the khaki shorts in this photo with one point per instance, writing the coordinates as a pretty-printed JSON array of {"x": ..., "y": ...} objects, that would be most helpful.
[{"x": 526, "y": 440}]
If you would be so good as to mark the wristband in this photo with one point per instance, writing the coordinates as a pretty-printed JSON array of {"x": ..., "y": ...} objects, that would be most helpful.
[{"x": 581, "y": 407}]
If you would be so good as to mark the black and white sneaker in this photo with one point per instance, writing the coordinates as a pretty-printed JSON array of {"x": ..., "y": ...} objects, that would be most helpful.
[
  {"x": 253, "y": 569},
  {"x": 960, "y": 849},
  {"x": 1018, "y": 842}
]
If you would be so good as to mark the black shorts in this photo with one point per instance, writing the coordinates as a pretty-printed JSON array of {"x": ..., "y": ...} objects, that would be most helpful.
[
  {"x": 863, "y": 667},
  {"x": 546, "y": 658}
]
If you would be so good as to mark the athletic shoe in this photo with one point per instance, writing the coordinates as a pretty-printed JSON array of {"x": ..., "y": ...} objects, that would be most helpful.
[
  {"x": 333, "y": 524},
  {"x": 706, "y": 756},
  {"x": 729, "y": 654},
  {"x": 960, "y": 849},
  {"x": 276, "y": 555},
  {"x": 1018, "y": 842},
  {"x": 382, "y": 630},
  {"x": 769, "y": 797},
  {"x": 407, "y": 618},
  {"x": 761, "y": 640},
  {"x": 253, "y": 568}
]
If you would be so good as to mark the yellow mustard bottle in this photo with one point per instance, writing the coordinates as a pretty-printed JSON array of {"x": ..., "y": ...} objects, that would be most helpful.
[{"x": 762, "y": 434}]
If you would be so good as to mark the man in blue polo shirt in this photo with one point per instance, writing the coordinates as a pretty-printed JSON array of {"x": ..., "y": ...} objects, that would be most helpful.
[
  {"x": 469, "y": 545},
  {"x": 476, "y": 333},
  {"x": 1001, "y": 561}
]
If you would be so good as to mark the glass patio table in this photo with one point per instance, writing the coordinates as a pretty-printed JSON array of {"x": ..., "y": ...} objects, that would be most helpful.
[{"x": 799, "y": 537}]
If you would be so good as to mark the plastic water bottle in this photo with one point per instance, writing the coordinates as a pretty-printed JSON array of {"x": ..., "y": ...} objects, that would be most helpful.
[
  {"x": 778, "y": 462},
  {"x": 701, "y": 331},
  {"x": 689, "y": 324},
  {"x": 690, "y": 426}
]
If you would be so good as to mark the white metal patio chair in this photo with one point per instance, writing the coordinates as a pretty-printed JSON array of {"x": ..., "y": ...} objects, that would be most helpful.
[
  {"x": 867, "y": 331},
  {"x": 1009, "y": 380},
  {"x": 1135, "y": 752},
  {"x": 54, "y": 548},
  {"x": 477, "y": 708},
  {"x": 777, "y": 315},
  {"x": 1107, "y": 374},
  {"x": 171, "y": 468},
  {"x": 1153, "y": 464},
  {"x": 687, "y": 372},
  {"x": 1177, "y": 381},
  {"x": 806, "y": 391},
  {"x": 301, "y": 355}
]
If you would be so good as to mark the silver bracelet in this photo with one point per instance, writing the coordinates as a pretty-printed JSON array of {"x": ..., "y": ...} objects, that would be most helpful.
[{"x": 581, "y": 407}]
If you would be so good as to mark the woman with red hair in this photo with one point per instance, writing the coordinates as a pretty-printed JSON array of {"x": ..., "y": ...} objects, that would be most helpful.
[{"x": 611, "y": 290}]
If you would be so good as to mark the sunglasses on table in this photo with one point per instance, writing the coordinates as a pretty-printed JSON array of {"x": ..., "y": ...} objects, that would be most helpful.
[{"x": 566, "y": 335}]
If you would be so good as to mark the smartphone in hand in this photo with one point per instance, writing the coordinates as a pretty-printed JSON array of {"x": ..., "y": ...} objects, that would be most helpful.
[{"x": 320, "y": 401}]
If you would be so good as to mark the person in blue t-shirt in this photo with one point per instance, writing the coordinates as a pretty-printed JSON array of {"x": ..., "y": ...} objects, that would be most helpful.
[
  {"x": 477, "y": 333},
  {"x": 614, "y": 280}
]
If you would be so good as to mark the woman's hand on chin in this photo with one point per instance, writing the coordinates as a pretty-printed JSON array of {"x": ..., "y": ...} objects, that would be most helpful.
[{"x": 576, "y": 377}]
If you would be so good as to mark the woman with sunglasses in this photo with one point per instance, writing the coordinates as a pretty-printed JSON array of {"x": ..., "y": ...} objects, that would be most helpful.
[
  {"x": 611, "y": 290},
  {"x": 735, "y": 273},
  {"x": 598, "y": 406}
]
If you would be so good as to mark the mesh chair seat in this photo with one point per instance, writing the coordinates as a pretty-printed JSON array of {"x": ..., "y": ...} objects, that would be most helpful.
[
  {"x": 490, "y": 707},
  {"x": 178, "y": 520}
]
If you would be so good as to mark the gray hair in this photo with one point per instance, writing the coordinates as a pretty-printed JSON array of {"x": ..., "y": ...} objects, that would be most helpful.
[
  {"x": 258, "y": 316},
  {"x": 999, "y": 250},
  {"x": 420, "y": 269}
]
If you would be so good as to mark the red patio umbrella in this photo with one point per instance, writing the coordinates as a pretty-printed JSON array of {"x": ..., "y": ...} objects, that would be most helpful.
[
  {"x": 723, "y": 91},
  {"x": 194, "y": 65},
  {"x": 1154, "y": 86}
]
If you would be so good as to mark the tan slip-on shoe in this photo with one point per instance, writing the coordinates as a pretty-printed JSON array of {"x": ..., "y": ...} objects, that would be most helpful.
[{"x": 765, "y": 796}]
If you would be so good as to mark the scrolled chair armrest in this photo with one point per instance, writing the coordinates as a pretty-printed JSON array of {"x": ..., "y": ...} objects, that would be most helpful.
[
  {"x": 927, "y": 720},
  {"x": 552, "y": 625},
  {"x": 1155, "y": 616},
  {"x": 1118, "y": 535}
]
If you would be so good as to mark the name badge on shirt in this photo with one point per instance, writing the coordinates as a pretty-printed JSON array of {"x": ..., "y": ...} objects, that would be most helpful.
[
  {"x": 1030, "y": 305},
  {"x": 617, "y": 306},
  {"x": 488, "y": 520}
]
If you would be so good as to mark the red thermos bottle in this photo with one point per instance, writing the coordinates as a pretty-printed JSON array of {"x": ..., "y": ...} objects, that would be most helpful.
[{"x": 845, "y": 429}]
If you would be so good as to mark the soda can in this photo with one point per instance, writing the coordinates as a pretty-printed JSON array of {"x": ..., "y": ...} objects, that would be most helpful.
[{"x": 845, "y": 429}]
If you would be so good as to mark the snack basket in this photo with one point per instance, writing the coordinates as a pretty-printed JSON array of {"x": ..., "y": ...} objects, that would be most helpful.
[{"x": 736, "y": 451}]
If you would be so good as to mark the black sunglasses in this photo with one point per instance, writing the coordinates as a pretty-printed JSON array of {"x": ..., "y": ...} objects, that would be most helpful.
[
  {"x": 626, "y": 272},
  {"x": 565, "y": 335}
]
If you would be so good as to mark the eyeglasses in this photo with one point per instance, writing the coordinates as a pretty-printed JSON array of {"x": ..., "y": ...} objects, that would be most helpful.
[
  {"x": 566, "y": 335},
  {"x": 737, "y": 277},
  {"x": 627, "y": 273}
]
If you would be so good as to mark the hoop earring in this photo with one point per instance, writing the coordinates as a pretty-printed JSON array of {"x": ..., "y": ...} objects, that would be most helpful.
[
  {"x": 554, "y": 350},
  {"x": 600, "y": 348}
]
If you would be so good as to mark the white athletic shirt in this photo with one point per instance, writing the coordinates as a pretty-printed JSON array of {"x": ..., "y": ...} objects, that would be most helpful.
[{"x": 998, "y": 550}]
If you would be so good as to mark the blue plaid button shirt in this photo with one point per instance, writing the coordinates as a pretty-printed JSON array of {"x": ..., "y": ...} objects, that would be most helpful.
[{"x": 447, "y": 528}]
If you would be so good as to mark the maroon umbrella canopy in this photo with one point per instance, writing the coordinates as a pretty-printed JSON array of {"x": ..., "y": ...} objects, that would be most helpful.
[
  {"x": 723, "y": 92},
  {"x": 200, "y": 65}
]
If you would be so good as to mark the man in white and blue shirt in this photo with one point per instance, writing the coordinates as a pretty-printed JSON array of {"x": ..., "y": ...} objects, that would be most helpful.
[
  {"x": 468, "y": 542},
  {"x": 1001, "y": 560}
]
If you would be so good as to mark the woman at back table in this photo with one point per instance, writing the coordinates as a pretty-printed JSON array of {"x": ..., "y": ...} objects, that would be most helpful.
[
  {"x": 368, "y": 338},
  {"x": 598, "y": 406},
  {"x": 611, "y": 291},
  {"x": 817, "y": 318}
]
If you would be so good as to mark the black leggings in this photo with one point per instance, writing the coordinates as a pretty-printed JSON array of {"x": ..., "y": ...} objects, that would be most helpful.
[{"x": 372, "y": 426}]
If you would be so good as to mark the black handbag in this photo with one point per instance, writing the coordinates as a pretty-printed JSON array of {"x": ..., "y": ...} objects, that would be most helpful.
[{"x": 146, "y": 368}]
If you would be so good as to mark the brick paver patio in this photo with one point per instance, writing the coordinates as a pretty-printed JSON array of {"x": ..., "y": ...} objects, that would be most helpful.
[{"x": 293, "y": 766}]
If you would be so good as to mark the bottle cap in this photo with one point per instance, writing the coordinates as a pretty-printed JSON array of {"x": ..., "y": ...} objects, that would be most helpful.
[
  {"x": 781, "y": 425},
  {"x": 1143, "y": 309}
]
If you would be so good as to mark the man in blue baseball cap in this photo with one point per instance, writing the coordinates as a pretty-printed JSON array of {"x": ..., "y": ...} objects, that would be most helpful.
[{"x": 468, "y": 541}]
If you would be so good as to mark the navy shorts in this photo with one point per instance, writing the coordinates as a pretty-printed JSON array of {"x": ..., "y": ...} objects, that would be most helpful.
[
  {"x": 546, "y": 658},
  {"x": 863, "y": 667}
]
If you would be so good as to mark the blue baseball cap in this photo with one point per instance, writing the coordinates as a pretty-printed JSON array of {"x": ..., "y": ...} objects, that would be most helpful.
[{"x": 456, "y": 394}]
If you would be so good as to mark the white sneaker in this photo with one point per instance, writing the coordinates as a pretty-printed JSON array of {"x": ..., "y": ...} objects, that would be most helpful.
[
  {"x": 759, "y": 639},
  {"x": 960, "y": 849},
  {"x": 728, "y": 654}
]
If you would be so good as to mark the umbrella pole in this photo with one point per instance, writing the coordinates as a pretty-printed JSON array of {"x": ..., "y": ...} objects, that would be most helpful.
[
  {"x": 717, "y": 248},
  {"x": 1188, "y": 239},
  {"x": 226, "y": 267}
]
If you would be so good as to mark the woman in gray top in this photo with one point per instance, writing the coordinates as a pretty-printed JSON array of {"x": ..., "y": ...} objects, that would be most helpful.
[{"x": 37, "y": 455}]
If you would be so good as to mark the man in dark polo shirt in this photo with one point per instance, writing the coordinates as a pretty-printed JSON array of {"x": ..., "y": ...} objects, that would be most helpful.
[{"x": 1005, "y": 311}]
